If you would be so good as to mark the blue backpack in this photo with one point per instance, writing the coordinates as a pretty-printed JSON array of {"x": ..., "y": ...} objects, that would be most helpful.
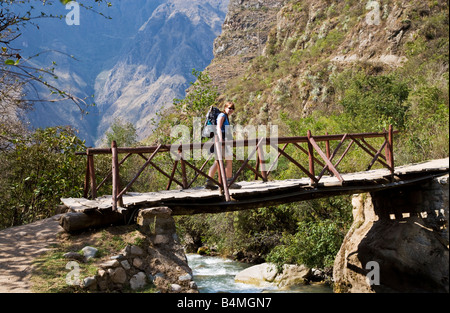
[{"x": 209, "y": 126}]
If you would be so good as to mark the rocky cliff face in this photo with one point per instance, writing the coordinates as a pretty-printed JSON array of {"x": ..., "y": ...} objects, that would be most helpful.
[
  {"x": 398, "y": 241},
  {"x": 156, "y": 66},
  {"x": 134, "y": 64},
  {"x": 244, "y": 36}
]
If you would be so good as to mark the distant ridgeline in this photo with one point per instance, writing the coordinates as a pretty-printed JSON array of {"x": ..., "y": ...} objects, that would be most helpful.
[{"x": 134, "y": 64}]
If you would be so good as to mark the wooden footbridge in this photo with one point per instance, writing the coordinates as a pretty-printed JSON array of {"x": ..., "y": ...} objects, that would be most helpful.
[{"x": 315, "y": 158}]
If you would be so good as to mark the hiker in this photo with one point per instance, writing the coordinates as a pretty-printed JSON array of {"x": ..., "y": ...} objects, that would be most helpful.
[{"x": 223, "y": 134}]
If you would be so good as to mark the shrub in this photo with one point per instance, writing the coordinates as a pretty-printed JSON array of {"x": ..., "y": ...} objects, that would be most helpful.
[{"x": 36, "y": 172}]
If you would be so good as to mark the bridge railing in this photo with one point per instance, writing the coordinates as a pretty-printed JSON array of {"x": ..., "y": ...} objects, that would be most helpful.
[{"x": 327, "y": 160}]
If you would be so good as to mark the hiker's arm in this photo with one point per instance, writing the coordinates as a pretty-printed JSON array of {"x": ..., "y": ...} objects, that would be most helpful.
[{"x": 220, "y": 122}]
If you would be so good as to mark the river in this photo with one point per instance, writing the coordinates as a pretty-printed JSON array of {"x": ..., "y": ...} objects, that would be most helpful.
[{"x": 216, "y": 275}]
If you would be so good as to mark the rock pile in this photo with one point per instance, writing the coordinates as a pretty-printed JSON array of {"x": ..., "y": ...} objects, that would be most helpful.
[
  {"x": 136, "y": 268},
  {"x": 159, "y": 260}
]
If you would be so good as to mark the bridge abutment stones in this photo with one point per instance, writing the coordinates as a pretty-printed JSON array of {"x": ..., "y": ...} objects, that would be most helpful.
[
  {"x": 157, "y": 257},
  {"x": 158, "y": 224}
]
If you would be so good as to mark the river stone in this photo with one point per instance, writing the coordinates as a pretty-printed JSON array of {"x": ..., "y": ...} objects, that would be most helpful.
[
  {"x": 125, "y": 264},
  {"x": 138, "y": 263},
  {"x": 89, "y": 252},
  {"x": 257, "y": 275},
  {"x": 266, "y": 273},
  {"x": 185, "y": 277},
  {"x": 74, "y": 256},
  {"x": 135, "y": 250},
  {"x": 111, "y": 263},
  {"x": 193, "y": 285},
  {"x": 88, "y": 282},
  {"x": 138, "y": 281},
  {"x": 160, "y": 239},
  {"x": 175, "y": 287}
]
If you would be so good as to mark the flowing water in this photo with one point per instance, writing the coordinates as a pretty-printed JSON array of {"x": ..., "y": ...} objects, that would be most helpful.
[{"x": 216, "y": 274}]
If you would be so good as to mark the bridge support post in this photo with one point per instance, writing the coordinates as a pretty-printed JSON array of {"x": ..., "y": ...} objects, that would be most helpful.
[
  {"x": 183, "y": 169},
  {"x": 90, "y": 179},
  {"x": 115, "y": 177},
  {"x": 389, "y": 149},
  {"x": 311, "y": 157}
]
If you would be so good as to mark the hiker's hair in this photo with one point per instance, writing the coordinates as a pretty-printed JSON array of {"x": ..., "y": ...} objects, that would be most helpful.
[{"x": 228, "y": 104}]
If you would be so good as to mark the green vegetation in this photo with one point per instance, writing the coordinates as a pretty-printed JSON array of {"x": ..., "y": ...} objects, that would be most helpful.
[
  {"x": 124, "y": 133},
  {"x": 37, "y": 171}
]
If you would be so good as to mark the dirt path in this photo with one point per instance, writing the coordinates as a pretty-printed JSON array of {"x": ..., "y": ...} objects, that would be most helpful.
[{"x": 19, "y": 246}]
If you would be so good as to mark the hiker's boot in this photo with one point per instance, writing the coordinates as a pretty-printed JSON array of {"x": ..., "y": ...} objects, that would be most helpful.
[
  {"x": 210, "y": 185},
  {"x": 234, "y": 185}
]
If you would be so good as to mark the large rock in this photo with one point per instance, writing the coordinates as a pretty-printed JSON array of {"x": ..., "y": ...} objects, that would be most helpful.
[
  {"x": 138, "y": 281},
  {"x": 257, "y": 275},
  {"x": 266, "y": 274},
  {"x": 398, "y": 241},
  {"x": 119, "y": 275},
  {"x": 293, "y": 275}
]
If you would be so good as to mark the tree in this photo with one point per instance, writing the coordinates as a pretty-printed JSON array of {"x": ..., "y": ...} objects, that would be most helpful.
[
  {"x": 200, "y": 96},
  {"x": 124, "y": 133},
  {"x": 36, "y": 172}
]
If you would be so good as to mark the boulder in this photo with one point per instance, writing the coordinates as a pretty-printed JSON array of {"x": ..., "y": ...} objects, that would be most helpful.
[
  {"x": 398, "y": 241},
  {"x": 266, "y": 274},
  {"x": 260, "y": 274},
  {"x": 293, "y": 275}
]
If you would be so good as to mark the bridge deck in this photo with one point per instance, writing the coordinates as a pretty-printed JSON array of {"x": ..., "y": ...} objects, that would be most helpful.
[{"x": 260, "y": 194}]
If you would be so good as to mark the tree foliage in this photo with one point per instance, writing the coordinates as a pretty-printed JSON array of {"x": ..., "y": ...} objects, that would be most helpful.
[
  {"x": 124, "y": 133},
  {"x": 37, "y": 171}
]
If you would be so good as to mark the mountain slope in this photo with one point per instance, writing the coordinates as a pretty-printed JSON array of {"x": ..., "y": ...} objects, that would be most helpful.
[
  {"x": 135, "y": 63},
  {"x": 156, "y": 66},
  {"x": 339, "y": 66}
]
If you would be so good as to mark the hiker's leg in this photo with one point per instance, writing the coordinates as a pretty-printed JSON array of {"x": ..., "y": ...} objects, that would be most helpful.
[
  {"x": 213, "y": 170},
  {"x": 229, "y": 168}
]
